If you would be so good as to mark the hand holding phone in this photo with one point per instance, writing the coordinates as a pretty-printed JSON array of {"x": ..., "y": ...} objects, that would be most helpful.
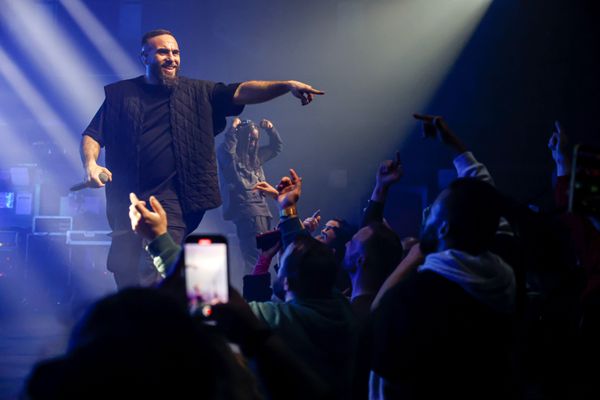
[
  {"x": 268, "y": 240},
  {"x": 206, "y": 272},
  {"x": 312, "y": 223}
]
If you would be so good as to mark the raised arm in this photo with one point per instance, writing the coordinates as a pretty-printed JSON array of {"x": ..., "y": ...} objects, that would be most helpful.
[
  {"x": 231, "y": 140},
  {"x": 152, "y": 226},
  {"x": 435, "y": 127},
  {"x": 407, "y": 266},
  {"x": 388, "y": 173},
  {"x": 467, "y": 166},
  {"x": 287, "y": 194},
  {"x": 253, "y": 92},
  {"x": 226, "y": 152},
  {"x": 559, "y": 146},
  {"x": 270, "y": 151},
  {"x": 90, "y": 150}
]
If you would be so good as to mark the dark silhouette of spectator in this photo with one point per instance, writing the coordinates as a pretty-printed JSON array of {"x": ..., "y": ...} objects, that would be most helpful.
[
  {"x": 140, "y": 343},
  {"x": 443, "y": 328},
  {"x": 584, "y": 239},
  {"x": 372, "y": 254},
  {"x": 316, "y": 321}
]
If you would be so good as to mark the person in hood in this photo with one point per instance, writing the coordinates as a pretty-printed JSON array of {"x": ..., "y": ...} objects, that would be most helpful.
[{"x": 444, "y": 330}]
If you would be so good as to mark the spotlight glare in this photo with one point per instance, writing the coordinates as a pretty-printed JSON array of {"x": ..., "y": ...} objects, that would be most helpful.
[{"x": 101, "y": 38}]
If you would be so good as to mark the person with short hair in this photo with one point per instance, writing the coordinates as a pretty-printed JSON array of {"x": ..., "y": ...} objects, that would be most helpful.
[{"x": 444, "y": 325}]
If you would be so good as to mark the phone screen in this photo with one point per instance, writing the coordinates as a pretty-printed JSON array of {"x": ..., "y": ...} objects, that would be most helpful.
[{"x": 206, "y": 271}]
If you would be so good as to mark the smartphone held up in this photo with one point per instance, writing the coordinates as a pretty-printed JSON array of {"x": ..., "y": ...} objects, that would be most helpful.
[{"x": 206, "y": 272}]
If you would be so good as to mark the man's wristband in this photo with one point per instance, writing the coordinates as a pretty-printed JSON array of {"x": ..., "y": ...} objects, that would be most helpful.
[{"x": 288, "y": 212}]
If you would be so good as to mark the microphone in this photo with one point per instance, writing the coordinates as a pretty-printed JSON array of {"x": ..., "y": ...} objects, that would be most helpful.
[{"x": 102, "y": 176}]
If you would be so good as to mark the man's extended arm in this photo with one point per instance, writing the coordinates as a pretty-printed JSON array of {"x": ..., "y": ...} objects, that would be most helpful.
[
  {"x": 253, "y": 92},
  {"x": 90, "y": 150}
]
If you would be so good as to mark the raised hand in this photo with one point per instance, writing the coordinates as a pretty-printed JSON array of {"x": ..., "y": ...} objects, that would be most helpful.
[
  {"x": 558, "y": 145},
  {"x": 290, "y": 189},
  {"x": 312, "y": 223},
  {"x": 303, "y": 91},
  {"x": 266, "y": 124},
  {"x": 266, "y": 189},
  {"x": 435, "y": 127},
  {"x": 558, "y": 142},
  {"x": 148, "y": 224},
  {"x": 235, "y": 123},
  {"x": 389, "y": 172}
]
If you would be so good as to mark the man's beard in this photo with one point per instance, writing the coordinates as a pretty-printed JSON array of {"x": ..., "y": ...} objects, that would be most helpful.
[{"x": 167, "y": 82}]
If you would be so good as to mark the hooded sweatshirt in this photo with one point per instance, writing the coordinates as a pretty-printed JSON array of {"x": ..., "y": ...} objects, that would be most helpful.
[
  {"x": 445, "y": 331},
  {"x": 486, "y": 276}
]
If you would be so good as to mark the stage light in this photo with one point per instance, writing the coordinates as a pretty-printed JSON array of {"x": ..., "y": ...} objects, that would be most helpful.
[
  {"x": 53, "y": 53},
  {"x": 38, "y": 106},
  {"x": 120, "y": 62}
]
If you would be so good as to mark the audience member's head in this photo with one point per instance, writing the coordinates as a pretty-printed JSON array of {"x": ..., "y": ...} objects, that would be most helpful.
[
  {"x": 463, "y": 217},
  {"x": 335, "y": 234},
  {"x": 138, "y": 343},
  {"x": 308, "y": 268},
  {"x": 372, "y": 254}
]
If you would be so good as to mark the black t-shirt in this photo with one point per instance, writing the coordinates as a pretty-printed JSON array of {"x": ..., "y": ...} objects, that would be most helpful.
[
  {"x": 157, "y": 159},
  {"x": 156, "y": 144},
  {"x": 157, "y": 167}
]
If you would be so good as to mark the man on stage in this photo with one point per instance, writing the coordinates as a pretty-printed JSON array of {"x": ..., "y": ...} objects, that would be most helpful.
[{"x": 158, "y": 131}]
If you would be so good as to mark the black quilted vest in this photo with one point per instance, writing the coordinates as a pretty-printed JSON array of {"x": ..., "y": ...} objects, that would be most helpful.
[{"x": 193, "y": 128}]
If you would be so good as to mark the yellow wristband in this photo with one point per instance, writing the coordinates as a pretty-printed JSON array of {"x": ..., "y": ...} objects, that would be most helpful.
[{"x": 288, "y": 212}]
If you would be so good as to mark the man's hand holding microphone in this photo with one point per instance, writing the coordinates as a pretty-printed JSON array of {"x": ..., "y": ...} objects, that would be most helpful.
[{"x": 95, "y": 177}]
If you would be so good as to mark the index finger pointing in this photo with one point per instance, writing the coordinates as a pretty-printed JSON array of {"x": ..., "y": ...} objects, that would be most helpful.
[
  {"x": 294, "y": 175},
  {"x": 141, "y": 208},
  {"x": 157, "y": 206},
  {"x": 133, "y": 198},
  {"x": 423, "y": 117}
]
